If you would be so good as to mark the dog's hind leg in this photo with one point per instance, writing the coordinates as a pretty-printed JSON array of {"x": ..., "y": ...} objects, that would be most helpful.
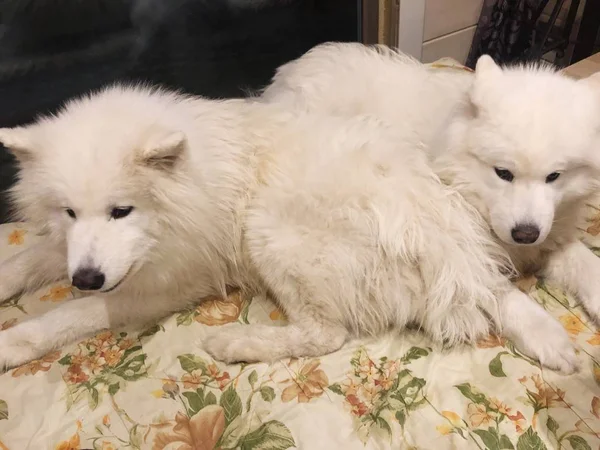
[
  {"x": 32, "y": 268},
  {"x": 312, "y": 273},
  {"x": 307, "y": 335}
]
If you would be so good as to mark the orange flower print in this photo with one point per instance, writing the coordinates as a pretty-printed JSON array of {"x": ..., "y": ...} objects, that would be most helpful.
[
  {"x": 217, "y": 311},
  {"x": 93, "y": 363},
  {"x": 17, "y": 237},
  {"x": 572, "y": 323},
  {"x": 112, "y": 357},
  {"x": 7, "y": 324},
  {"x": 108, "y": 446},
  {"x": 126, "y": 343},
  {"x": 499, "y": 406},
  {"x": 492, "y": 341},
  {"x": 76, "y": 375},
  {"x": 350, "y": 387},
  {"x": 192, "y": 380},
  {"x": 106, "y": 420},
  {"x": 519, "y": 421},
  {"x": 37, "y": 365},
  {"x": 542, "y": 395},
  {"x": 74, "y": 443},
  {"x": 222, "y": 378},
  {"x": 276, "y": 314},
  {"x": 594, "y": 228},
  {"x": 57, "y": 294},
  {"x": 308, "y": 383},
  {"x": 478, "y": 415},
  {"x": 357, "y": 407},
  {"x": 453, "y": 421},
  {"x": 201, "y": 432},
  {"x": 102, "y": 341},
  {"x": 595, "y": 339},
  {"x": 595, "y": 410}
]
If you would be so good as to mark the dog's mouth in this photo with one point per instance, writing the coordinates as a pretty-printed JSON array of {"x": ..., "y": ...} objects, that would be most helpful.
[{"x": 120, "y": 282}]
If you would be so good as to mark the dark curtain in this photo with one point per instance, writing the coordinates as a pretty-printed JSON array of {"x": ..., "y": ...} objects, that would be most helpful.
[{"x": 505, "y": 30}]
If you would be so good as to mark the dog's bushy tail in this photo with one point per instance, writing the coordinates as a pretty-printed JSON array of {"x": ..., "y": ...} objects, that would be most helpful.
[{"x": 463, "y": 270}]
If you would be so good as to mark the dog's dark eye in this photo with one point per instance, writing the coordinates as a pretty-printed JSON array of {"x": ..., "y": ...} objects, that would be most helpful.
[
  {"x": 504, "y": 174},
  {"x": 71, "y": 213},
  {"x": 119, "y": 213},
  {"x": 552, "y": 177}
]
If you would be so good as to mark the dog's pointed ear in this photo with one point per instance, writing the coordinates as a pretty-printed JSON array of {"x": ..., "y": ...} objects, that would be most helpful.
[
  {"x": 486, "y": 72},
  {"x": 486, "y": 66},
  {"x": 16, "y": 141},
  {"x": 164, "y": 152}
]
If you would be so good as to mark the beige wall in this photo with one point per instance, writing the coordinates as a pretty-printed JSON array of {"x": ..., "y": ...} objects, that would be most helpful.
[{"x": 432, "y": 29}]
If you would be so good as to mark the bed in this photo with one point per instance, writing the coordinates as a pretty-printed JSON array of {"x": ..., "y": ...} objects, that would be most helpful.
[{"x": 154, "y": 387}]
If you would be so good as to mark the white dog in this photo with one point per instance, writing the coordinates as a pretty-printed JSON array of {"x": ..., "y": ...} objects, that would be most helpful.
[
  {"x": 152, "y": 200},
  {"x": 521, "y": 144}
]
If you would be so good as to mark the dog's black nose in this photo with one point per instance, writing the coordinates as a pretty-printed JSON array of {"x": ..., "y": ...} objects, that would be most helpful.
[
  {"x": 88, "y": 279},
  {"x": 525, "y": 234}
]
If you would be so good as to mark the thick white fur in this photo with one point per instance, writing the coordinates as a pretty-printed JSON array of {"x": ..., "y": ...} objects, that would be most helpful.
[
  {"x": 528, "y": 119},
  {"x": 341, "y": 221}
]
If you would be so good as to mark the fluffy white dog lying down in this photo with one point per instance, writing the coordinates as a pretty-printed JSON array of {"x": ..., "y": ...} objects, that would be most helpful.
[
  {"x": 152, "y": 200},
  {"x": 521, "y": 144}
]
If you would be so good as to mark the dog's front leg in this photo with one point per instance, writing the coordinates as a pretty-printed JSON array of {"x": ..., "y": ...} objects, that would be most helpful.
[
  {"x": 74, "y": 320},
  {"x": 535, "y": 332},
  {"x": 30, "y": 269},
  {"x": 577, "y": 270}
]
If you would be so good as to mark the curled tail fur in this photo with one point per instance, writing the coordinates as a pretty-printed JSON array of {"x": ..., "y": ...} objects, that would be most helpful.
[{"x": 464, "y": 271}]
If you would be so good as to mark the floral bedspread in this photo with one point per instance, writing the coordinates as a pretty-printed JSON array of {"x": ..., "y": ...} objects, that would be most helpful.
[{"x": 155, "y": 388}]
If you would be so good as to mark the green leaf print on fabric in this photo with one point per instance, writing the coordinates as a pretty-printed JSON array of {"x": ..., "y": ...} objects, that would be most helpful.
[
  {"x": 578, "y": 443},
  {"x": 190, "y": 362},
  {"x": 495, "y": 365},
  {"x": 473, "y": 394},
  {"x": 530, "y": 441},
  {"x": 493, "y": 440},
  {"x": 231, "y": 404},
  {"x": 272, "y": 435}
]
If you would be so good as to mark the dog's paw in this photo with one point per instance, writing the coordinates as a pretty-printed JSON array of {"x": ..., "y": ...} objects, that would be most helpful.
[
  {"x": 549, "y": 343},
  {"x": 228, "y": 343},
  {"x": 460, "y": 325},
  {"x": 17, "y": 347}
]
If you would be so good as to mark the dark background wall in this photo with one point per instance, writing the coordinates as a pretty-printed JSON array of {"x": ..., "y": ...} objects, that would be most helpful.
[{"x": 51, "y": 50}]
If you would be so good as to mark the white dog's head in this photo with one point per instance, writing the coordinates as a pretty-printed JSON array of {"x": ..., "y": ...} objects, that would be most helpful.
[
  {"x": 526, "y": 148},
  {"x": 87, "y": 176}
]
